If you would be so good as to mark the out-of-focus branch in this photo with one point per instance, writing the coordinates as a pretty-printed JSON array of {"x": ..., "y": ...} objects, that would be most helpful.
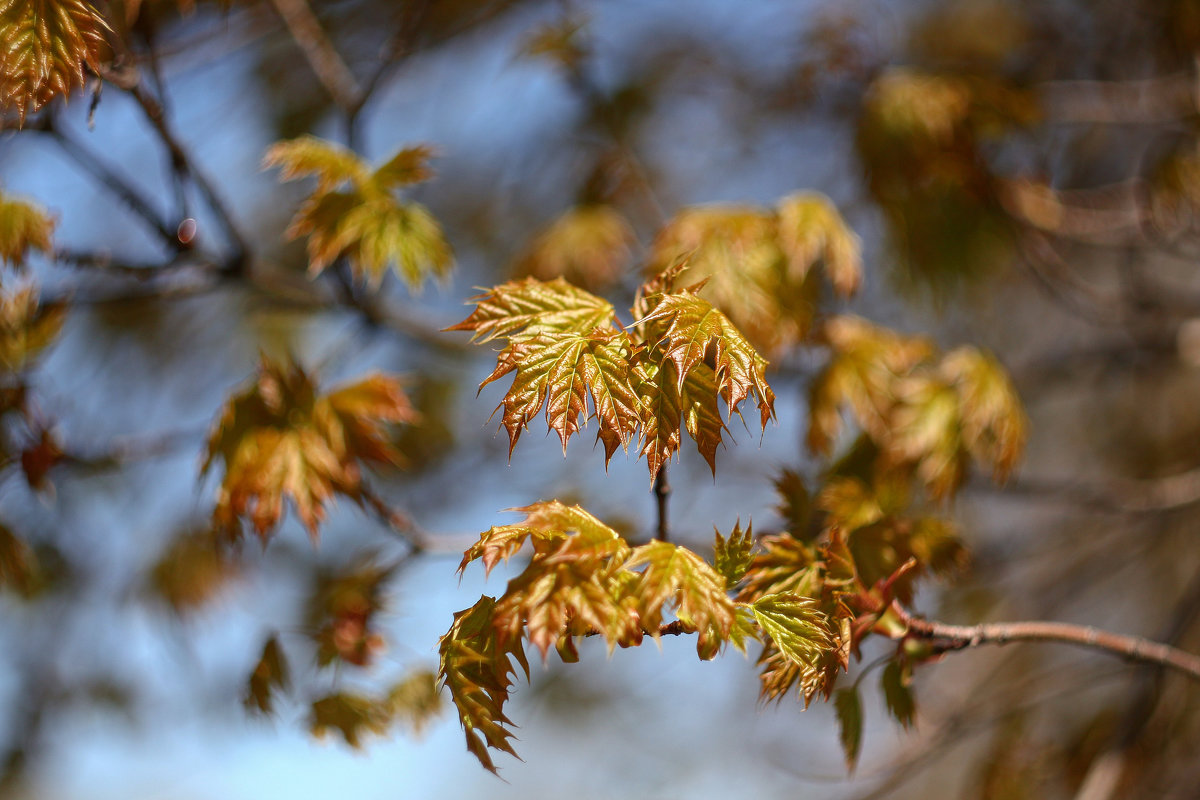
[
  {"x": 948, "y": 638},
  {"x": 322, "y": 56},
  {"x": 1153, "y": 101},
  {"x": 662, "y": 493},
  {"x": 1121, "y": 496}
]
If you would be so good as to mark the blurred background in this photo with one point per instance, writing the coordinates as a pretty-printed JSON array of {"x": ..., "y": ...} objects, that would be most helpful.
[{"x": 1024, "y": 176}]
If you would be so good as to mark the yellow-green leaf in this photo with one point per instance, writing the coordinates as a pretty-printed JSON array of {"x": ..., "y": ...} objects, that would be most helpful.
[
  {"x": 24, "y": 226},
  {"x": 588, "y": 245}
]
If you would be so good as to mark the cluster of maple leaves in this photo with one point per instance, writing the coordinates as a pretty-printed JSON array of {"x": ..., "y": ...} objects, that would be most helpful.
[{"x": 688, "y": 361}]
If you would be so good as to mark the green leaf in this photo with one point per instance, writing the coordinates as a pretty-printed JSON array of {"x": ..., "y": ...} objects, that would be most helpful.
[
  {"x": 44, "y": 46},
  {"x": 797, "y": 627},
  {"x": 531, "y": 306},
  {"x": 560, "y": 371},
  {"x": 696, "y": 333},
  {"x": 477, "y": 668},
  {"x": 732, "y": 557},
  {"x": 897, "y": 692},
  {"x": 675, "y": 578},
  {"x": 546, "y": 523},
  {"x": 850, "y": 724},
  {"x": 270, "y": 676},
  {"x": 353, "y": 214},
  {"x": 331, "y": 164},
  {"x": 24, "y": 226}
]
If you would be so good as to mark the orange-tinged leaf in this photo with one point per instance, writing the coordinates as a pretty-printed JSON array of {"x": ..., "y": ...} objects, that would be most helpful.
[
  {"x": 279, "y": 439},
  {"x": 811, "y": 230},
  {"x": 701, "y": 416},
  {"x": 545, "y": 524},
  {"x": 191, "y": 571},
  {"x": 408, "y": 166},
  {"x": 676, "y": 579},
  {"x": 662, "y": 413},
  {"x": 531, "y": 306},
  {"x": 44, "y": 47},
  {"x": 478, "y": 670},
  {"x": 698, "y": 333}
]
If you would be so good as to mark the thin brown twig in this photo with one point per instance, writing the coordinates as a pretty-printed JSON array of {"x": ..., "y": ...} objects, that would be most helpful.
[
  {"x": 949, "y": 638},
  {"x": 319, "y": 51},
  {"x": 662, "y": 493}
]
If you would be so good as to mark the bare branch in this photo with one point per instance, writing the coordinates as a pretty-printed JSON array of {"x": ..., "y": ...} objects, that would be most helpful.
[
  {"x": 1134, "y": 648},
  {"x": 322, "y": 56}
]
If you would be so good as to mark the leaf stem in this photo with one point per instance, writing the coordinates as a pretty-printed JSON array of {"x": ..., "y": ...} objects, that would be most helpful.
[
  {"x": 1133, "y": 648},
  {"x": 662, "y": 493}
]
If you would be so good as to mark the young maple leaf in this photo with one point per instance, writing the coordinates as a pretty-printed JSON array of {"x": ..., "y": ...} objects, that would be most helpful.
[
  {"x": 279, "y": 439},
  {"x": 588, "y": 245},
  {"x": 44, "y": 46},
  {"x": 24, "y": 226},
  {"x": 353, "y": 212},
  {"x": 27, "y": 327},
  {"x": 697, "y": 333},
  {"x": 270, "y": 676},
  {"x": 477, "y": 667}
]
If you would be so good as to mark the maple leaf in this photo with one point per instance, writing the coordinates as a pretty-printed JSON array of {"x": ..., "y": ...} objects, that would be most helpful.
[
  {"x": 270, "y": 675},
  {"x": 191, "y": 571},
  {"x": 896, "y": 683},
  {"x": 802, "y": 645},
  {"x": 732, "y": 557},
  {"x": 850, "y": 724},
  {"x": 994, "y": 426},
  {"x": 532, "y": 306},
  {"x": 675, "y": 578},
  {"x": 414, "y": 700},
  {"x": 44, "y": 47},
  {"x": 477, "y": 668},
  {"x": 354, "y": 214},
  {"x": 785, "y": 564},
  {"x": 588, "y": 245},
  {"x": 19, "y": 569},
  {"x": 342, "y": 609},
  {"x": 795, "y": 502},
  {"x": 545, "y": 524},
  {"x": 352, "y": 715},
  {"x": 24, "y": 226},
  {"x": 862, "y": 373},
  {"x": 697, "y": 333},
  {"x": 662, "y": 413},
  {"x": 279, "y": 439},
  {"x": 811, "y": 230},
  {"x": 27, "y": 327},
  {"x": 560, "y": 371}
]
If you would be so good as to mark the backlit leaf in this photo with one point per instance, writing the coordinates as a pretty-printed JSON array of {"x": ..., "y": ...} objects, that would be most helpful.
[
  {"x": 478, "y": 670},
  {"x": 351, "y": 715},
  {"x": 343, "y": 609},
  {"x": 545, "y": 524},
  {"x": 531, "y": 306},
  {"x": 44, "y": 47},
  {"x": 27, "y": 326},
  {"x": 732, "y": 557},
  {"x": 414, "y": 700},
  {"x": 330, "y": 163},
  {"x": 800, "y": 631},
  {"x": 812, "y": 231},
  {"x": 994, "y": 426}
]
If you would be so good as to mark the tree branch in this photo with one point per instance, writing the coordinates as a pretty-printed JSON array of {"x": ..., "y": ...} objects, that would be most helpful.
[
  {"x": 662, "y": 493},
  {"x": 1134, "y": 648},
  {"x": 322, "y": 56}
]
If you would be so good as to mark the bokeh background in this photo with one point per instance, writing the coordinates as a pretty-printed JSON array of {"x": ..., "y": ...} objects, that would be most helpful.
[{"x": 1023, "y": 175}]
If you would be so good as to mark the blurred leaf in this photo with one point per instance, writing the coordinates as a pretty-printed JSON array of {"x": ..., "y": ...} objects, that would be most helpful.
[
  {"x": 280, "y": 439},
  {"x": 811, "y": 230},
  {"x": 733, "y": 556},
  {"x": 44, "y": 46},
  {"x": 191, "y": 571},
  {"x": 795, "y": 502},
  {"x": 24, "y": 226},
  {"x": 560, "y": 41},
  {"x": 588, "y": 245},
  {"x": 850, "y": 722},
  {"x": 352, "y": 715},
  {"x": 270, "y": 675},
  {"x": 994, "y": 426},
  {"x": 414, "y": 700},
  {"x": 342, "y": 610},
  {"x": 364, "y": 223},
  {"x": 19, "y": 568},
  {"x": 897, "y": 692},
  {"x": 27, "y": 326},
  {"x": 38, "y": 459}
]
